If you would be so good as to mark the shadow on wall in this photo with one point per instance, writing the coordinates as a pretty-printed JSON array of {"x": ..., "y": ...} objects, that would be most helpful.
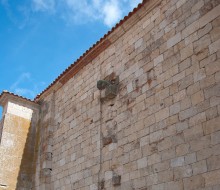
[{"x": 27, "y": 167}]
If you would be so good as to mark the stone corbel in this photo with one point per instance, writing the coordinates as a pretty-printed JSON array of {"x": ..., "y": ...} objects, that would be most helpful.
[{"x": 110, "y": 85}]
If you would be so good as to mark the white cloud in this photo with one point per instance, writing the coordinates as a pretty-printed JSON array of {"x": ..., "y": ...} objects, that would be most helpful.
[
  {"x": 44, "y": 5},
  {"x": 82, "y": 11},
  {"x": 112, "y": 12}
]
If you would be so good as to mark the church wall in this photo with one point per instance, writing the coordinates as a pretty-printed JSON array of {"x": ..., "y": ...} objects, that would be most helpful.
[{"x": 161, "y": 131}]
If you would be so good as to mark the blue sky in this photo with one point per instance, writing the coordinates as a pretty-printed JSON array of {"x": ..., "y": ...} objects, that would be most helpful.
[{"x": 40, "y": 38}]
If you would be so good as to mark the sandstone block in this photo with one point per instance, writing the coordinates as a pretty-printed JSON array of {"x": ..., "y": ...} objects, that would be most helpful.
[
  {"x": 179, "y": 76},
  {"x": 191, "y": 38},
  {"x": 108, "y": 175},
  {"x": 199, "y": 75},
  {"x": 207, "y": 82},
  {"x": 174, "y": 185},
  {"x": 179, "y": 95},
  {"x": 144, "y": 140},
  {"x": 200, "y": 143},
  {"x": 194, "y": 132},
  {"x": 190, "y": 29},
  {"x": 211, "y": 15},
  {"x": 155, "y": 15},
  {"x": 165, "y": 176},
  {"x": 187, "y": 113},
  {"x": 214, "y": 90},
  {"x": 175, "y": 108},
  {"x": 161, "y": 166},
  {"x": 185, "y": 82},
  {"x": 182, "y": 149},
  {"x": 213, "y": 68},
  {"x": 197, "y": 97},
  {"x": 193, "y": 17},
  {"x": 199, "y": 167},
  {"x": 182, "y": 172},
  {"x": 180, "y": 126},
  {"x": 162, "y": 114},
  {"x": 142, "y": 163},
  {"x": 138, "y": 43},
  {"x": 197, "y": 6},
  {"x": 185, "y": 103},
  {"x": 168, "y": 154},
  {"x": 212, "y": 178},
  {"x": 154, "y": 158},
  {"x": 205, "y": 30},
  {"x": 146, "y": 23},
  {"x": 156, "y": 136},
  {"x": 214, "y": 47},
  {"x": 158, "y": 60},
  {"x": 202, "y": 43},
  {"x": 158, "y": 187},
  {"x": 213, "y": 163},
  {"x": 165, "y": 144},
  {"x": 150, "y": 120},
  {"x": 193, "y": 183},
  {"x": 180, "y": 3},
  {"x": 179, "y": 161},
  {"x": 215, "y": 34},
  {"x": 211, "y": 126},
  {"x": 174, "y": 40},
  {"x": 204, "y": 154},
  {"x": 190, "y": 158},
  {"x": 152, "y": 179},
  {"x": 130, "y": 87},
  {"x": 215, "y": 138},
  {"x": 197, "y": 119}
]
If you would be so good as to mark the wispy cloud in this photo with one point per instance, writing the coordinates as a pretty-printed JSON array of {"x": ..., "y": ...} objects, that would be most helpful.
[
  {"x": 25, "y": 92},
  {"x": 26, "y": 86},
  {"x": 43, "y": 5},
  {"x": 13, "y": 12},
  {"x": 22, "y": 78},
  {"x": 81, "y": 11},
  {"x": 109, "y": 12}
]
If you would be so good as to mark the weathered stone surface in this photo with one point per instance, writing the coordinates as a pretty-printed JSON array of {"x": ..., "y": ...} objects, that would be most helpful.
[
  {"x": 194, "y": 182},
  {"x": 17, "y": 140},
  {"x": 161, "y": 131},
  {"x": 174, "y": 40}
]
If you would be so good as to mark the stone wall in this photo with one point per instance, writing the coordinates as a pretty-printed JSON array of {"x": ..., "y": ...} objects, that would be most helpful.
[
  {"x": 17, "y": 138},
  {"x": 162, "y": 129}
]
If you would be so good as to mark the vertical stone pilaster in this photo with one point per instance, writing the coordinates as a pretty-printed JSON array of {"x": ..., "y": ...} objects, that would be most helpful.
[{"x": 17, "y": 141}]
